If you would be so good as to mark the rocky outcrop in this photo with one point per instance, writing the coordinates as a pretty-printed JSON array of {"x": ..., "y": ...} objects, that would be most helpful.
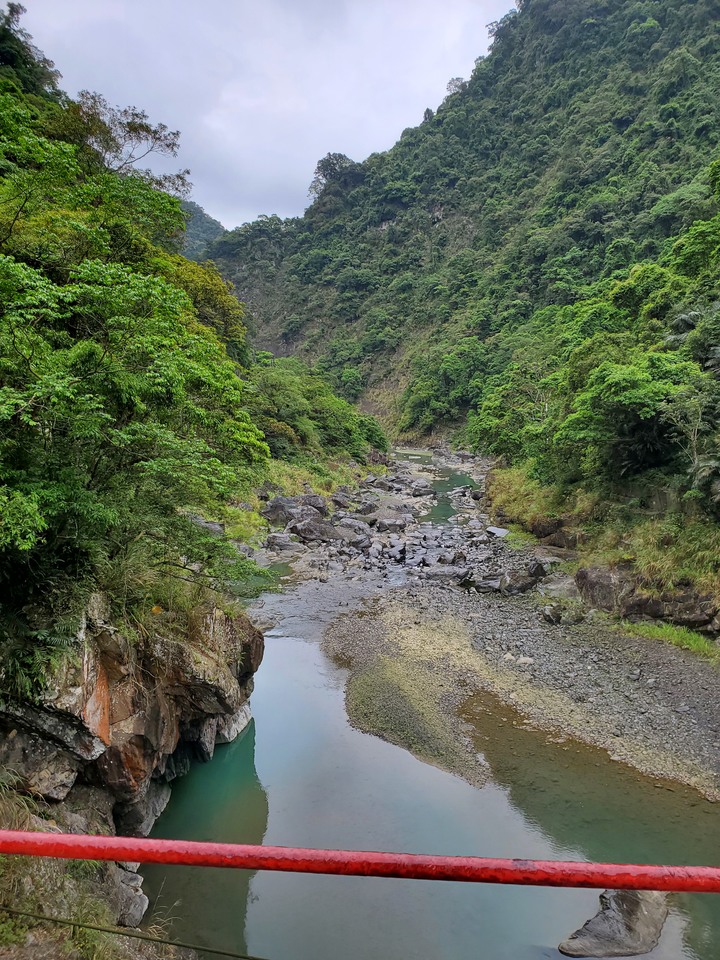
[
  {"x": 619, "y": 590},
  {"x": 129, "y": 716},
  {"x": 628, "y": 924}
]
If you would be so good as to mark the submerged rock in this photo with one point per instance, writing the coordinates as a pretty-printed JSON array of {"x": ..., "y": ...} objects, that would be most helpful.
[{"x": 628, "y": 924}]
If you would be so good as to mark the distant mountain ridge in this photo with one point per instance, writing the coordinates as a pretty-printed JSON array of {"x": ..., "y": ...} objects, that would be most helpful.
[{"x": 200, "y": 230}]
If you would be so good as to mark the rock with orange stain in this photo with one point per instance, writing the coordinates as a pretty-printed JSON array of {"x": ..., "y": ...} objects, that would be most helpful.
[{"x": 124, "y": 709}]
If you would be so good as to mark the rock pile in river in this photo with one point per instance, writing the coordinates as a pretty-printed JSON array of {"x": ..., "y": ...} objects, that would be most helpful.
[{"x": 393, "y": 524}]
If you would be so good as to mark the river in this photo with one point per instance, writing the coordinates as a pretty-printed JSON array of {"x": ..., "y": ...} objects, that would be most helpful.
[{"x": 301, "y": 775}]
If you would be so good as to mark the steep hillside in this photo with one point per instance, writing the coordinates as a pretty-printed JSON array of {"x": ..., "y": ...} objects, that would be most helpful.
[
  {"x": 576, "y": 149},
  {"x": 200, "y": 230}
]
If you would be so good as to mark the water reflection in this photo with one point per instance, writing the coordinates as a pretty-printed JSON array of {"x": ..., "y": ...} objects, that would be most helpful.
[
  {"x": 578, "y": 797},
  {"x": 208, "y": 906}
]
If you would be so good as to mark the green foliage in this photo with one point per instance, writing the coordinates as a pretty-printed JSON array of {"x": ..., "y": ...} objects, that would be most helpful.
[
  {"x": 28, "y": 658},
  {"x": 129, "y": 407},
  {"x": 678, "y": 636},
  {"x": 200, "y": 230},
  {"x": 299, "y": 415},
  {"x": 520, "y": 497},
  {"x": 20, "y": 60}
]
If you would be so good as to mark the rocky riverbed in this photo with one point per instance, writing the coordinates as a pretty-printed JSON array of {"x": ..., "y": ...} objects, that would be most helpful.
[{"x": 428, "y": 605}]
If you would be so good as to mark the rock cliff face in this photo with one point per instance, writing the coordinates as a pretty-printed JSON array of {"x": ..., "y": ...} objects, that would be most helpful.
[
  {"x": 619, "y": 590},
  {"x": 129, "y": 716}
]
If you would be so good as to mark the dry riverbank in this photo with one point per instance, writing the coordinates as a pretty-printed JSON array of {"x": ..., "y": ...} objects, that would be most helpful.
[
  {"x": 419, "y": 656},
  {"x": 421, "y": 647}
]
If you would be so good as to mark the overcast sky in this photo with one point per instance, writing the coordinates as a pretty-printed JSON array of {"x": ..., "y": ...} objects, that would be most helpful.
[{"x": 262, "y": 89}]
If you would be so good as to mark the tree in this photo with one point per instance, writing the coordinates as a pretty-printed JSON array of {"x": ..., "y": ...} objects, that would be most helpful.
[
  {"x": 456, "y": 85},
  {"x": 120, "y": 138},
  {"x": 118, "y": 413},
  {"x": 21, "y": 59},
  {"x": 329, "y": 169}
]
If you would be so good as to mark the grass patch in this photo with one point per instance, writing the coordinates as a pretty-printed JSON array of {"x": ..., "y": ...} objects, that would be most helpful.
[
  {"x": 519, "y": 538},
  {"x": 679, "y": 637},
  {"x": 291, "y": 479},
  {"x": 669, "y": 553},
  {"x": 519, "y": 497},
  {"x": 245, "y": 525}
]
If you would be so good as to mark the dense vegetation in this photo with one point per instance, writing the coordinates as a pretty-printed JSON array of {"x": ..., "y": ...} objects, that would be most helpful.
[
  {"x": 200, "y": 230},
  {"x": 536, "y": 264},
  {"x": 130, "y": 402}
]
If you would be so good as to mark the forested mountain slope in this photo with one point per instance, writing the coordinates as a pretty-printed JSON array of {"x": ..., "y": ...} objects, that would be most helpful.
[
  {"x": 200, "y": 230},
  {"x": 577, "y": 148}
]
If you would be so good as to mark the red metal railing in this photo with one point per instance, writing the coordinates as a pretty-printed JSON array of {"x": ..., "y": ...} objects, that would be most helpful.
[{"x": 358, "y": 863}]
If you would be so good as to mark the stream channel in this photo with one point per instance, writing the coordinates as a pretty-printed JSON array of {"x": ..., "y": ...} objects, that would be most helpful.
[{"x": 301, "y": 775}]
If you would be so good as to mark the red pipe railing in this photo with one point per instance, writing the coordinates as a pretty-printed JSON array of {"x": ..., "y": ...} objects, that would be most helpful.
[{"x": 358, "y": 863}]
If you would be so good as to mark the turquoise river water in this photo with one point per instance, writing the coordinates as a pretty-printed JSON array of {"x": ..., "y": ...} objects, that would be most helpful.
[{"x": 302, "y": 776}]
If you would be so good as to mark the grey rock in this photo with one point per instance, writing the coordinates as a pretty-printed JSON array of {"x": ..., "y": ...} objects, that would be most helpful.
[
  {"x": 552, "y": 614},
  {"x": 64, "y": 729},
  {"x": 230, "y": 727},
  {"x": 487, "y": 584},
  {"x": 289, "y": 509},
  {"x": 513, "y": 582},
  {"x": 126, "y": 896},
  {"x": 414, "y": 560},
  {"x": 280, "y": 541},
  {"x": 315, "y": 501},
  {"x": 560, "y": 587},
  {"x": 421, "y": 488},
  {"x": 448, "y": 572},
  {"x": 603, "y": 587},
  {"x": 136, "y": 818},
  {"x": 356, "y": 526},
  {"x": 319, "y": 530},
  {"x": 628, "y": 924},
  {"x": 394, "y": 524},
  {"x": 218, "y": 529},
  {"x": 42, "y": 767},
  {"x": 498, "y": 532}
]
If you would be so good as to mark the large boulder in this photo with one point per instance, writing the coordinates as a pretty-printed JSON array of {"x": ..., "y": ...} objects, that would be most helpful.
[
  {"x": 448, "y": 572},
  {"x": 136, "y": 817},
  {"x": 354, "y": 526},
  {"x": 498, "y": 532},
  {"x": 315, "y": 501},
  {"x": 605, "y": 588},
  {"x": 41, "y": 766},
  {"x": 392, "y": 524},
  {"x": 421, "y": 488},
  {"x": 320, "y": 531},
  {"x": 283, "y": 510},
  {"x": 514, "y": 581},
  {"x": 628, "y": 924}
]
